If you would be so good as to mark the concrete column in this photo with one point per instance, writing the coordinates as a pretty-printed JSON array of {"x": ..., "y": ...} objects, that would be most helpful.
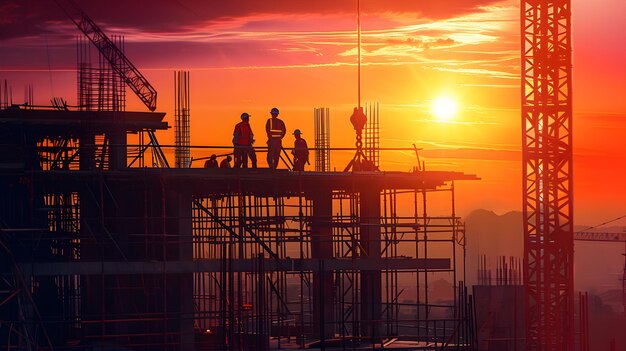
[
  {"x": 87, "y": 151},
  {"x": 322, "y": 247},
  {"x": 117, "y": 150},
  {"x": 180, "y": 246},
  {"x": 371, "y": 298}
]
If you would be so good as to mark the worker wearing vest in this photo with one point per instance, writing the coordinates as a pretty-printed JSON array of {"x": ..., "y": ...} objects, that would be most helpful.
[
  {"x": 243, "y": 138},
  {"x": 275, "y": 129},
  {"x": 300, "y": 152}
]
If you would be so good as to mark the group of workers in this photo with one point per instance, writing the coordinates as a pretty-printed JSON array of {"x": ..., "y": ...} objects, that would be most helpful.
[{"x": 243, "y": 141}]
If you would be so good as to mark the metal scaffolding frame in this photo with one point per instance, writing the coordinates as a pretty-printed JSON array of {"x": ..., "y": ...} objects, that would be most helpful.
[
  {"x": 171, "y": 259},
  {"x": 100, "y": 88},
  {"x": 237, "y": 307}
]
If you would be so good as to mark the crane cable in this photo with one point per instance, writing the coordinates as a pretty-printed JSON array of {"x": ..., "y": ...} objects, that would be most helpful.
[
  {"x": 358, "y": 21},
  {"x": 607, "y": 222}
]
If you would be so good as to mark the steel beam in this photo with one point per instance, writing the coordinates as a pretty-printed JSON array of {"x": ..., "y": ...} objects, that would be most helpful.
[{"x": 238, "y": 265}]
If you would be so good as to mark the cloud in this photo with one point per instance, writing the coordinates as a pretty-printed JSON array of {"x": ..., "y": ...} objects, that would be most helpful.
[
  {"x": 271, "y": 33},
  {"x": 22, "y": 18},
  {"x": 424, "y": 43}
]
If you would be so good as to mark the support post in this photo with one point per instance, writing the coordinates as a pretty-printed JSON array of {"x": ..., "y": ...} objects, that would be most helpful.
[
  {"x": 371, "y": 297},
  {"x": 117, "y": 151},
  {"x": 321, "y": 248}
]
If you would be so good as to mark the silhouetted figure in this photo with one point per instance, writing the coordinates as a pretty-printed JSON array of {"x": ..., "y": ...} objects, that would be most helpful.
[
  {"x": 300, "y": 151},
  {"x": 226, "y": 162},
  {"x": 243, "y": 138},
  {"x": 275, "y": 129},
  {"x": 211, "y": 162}
]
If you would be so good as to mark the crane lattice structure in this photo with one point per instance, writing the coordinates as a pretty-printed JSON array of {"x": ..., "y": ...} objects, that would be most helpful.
[
  {"x": 116, "y": 57},
  {"x": 547, "y": 163}
]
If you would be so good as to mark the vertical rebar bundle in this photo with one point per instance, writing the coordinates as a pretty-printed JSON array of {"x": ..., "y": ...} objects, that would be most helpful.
[
  {"x": 322, "y": 139},
  {"x": 372, "y": 133},
  {"x": 6, "y": 95},
  {"x": 29, "y": 96},
  {"x": 181, "y": 119}
]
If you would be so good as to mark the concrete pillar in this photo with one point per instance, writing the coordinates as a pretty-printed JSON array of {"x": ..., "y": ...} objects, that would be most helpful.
[
  {"x": 87, "y": 151},
  {"x": 322, "y": 247},
  {"x": 371, "y": 297},
  {"x": 117, "y": 150},
  {"x": 180, "y": 286}
]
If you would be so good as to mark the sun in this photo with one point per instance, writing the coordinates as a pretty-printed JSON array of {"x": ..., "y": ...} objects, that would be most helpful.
[{"x": 444, "y": 108}]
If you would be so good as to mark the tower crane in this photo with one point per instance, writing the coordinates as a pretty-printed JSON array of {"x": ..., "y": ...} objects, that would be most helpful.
[
  {"x": 546, "y": 87},
  {"x": 116, "y": 58}
]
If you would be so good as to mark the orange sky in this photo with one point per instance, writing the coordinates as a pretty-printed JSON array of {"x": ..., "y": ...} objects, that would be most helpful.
[{"x": 252, "y": 55}]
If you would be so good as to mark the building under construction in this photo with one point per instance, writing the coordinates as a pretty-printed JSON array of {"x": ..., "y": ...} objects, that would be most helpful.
[
  {"x": 104, "y": 246},
  {"x": 107, "y": 247},
  {"x": 99, "y": 252}
]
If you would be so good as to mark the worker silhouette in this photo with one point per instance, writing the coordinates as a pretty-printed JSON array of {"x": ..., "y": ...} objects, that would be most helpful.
[
  {"x": 275, "y": 129},
  {"x": 300, "y": 151},
  {"x": 226, "y": 162},
  {"x": 243, "y": 138},
  {"x": 211, "y": 162}
]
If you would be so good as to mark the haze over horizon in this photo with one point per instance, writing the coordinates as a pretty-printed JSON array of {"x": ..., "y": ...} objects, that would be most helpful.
[{"x": 250, "y": 56}]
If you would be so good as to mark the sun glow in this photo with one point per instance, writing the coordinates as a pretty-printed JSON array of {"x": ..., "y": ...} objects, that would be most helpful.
[{"x": 444, "y": 108}]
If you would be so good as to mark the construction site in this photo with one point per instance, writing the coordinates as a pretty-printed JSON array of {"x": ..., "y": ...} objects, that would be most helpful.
[{"x": 109, "y": 243}]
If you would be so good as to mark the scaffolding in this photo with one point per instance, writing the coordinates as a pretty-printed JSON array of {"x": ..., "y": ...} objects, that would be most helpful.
[
  {"x": 260, "y": 259},
  {"x": 302, "y": 287},
  {"x": 100, "y": 88}
]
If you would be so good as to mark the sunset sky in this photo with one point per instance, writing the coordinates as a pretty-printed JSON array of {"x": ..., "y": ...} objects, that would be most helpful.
[{"x": 296, "y": 55}]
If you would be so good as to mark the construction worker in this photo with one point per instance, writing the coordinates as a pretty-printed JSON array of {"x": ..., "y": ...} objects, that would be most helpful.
[
  {"x": 211, "y": 162},
  {"x": 226, "y": 162},
  {"x": 275, "y": 129},
  {"x": 243, "y": 138},
  {"x": 300, "y": 151}
]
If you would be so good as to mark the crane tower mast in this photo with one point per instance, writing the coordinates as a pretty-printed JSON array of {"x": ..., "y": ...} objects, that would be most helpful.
[{"x": 547, "y": 169}]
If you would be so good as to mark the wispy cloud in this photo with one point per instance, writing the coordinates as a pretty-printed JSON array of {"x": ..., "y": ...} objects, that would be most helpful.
[
  {"x": 457, "y": 122},
  {"x": 440, "y": 35}
]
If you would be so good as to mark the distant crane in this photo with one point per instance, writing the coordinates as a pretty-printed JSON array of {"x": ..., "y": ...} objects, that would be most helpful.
[
  {"x": 607, "y": 237},
  {"x": 116, "y": 58},
  {"x": 600, "y": 236}
]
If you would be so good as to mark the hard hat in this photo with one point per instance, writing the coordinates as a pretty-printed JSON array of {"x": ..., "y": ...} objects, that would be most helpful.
[
  {"x": 297, "y": 131},
  {"x": 274, "y": 111},
  {"x": 245, "y": 115}
]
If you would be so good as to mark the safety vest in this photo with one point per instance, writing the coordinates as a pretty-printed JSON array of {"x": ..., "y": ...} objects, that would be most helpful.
[
  {"x": 244, "y": 133},
  {"x": 275, "y": 128}
]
